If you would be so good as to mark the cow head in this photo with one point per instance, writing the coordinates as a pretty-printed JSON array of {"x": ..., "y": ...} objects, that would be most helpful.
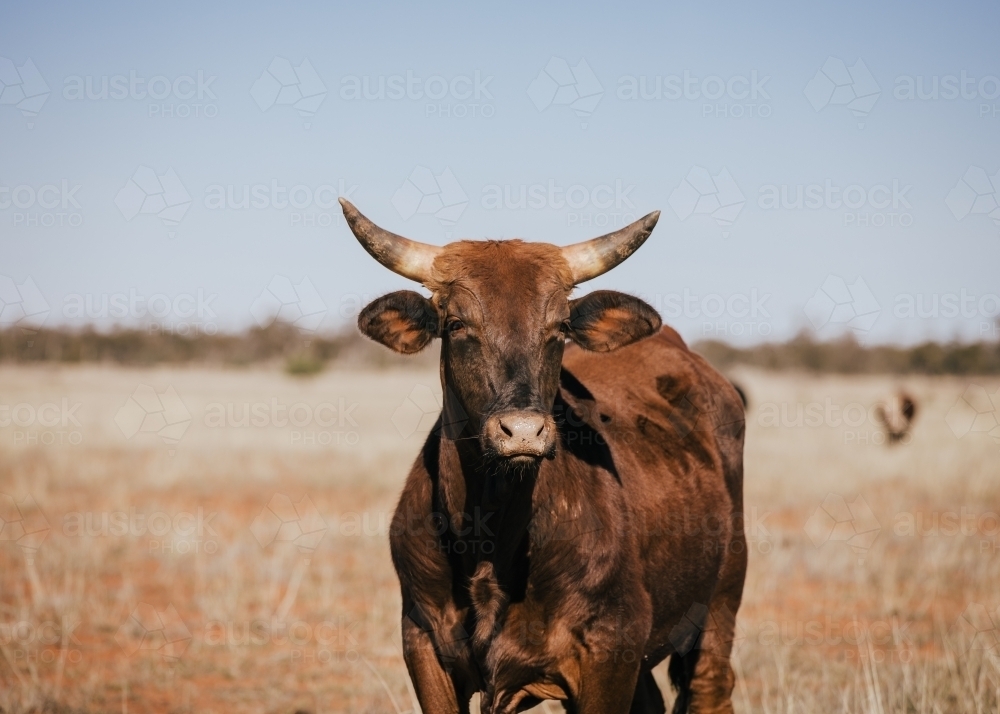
[{"x": 503, "y": 312}]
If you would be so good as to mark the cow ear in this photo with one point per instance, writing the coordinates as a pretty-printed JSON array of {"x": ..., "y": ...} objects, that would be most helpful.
[
  {"x": 403, "y": 321},
  {"x": 606, "y": 320}
]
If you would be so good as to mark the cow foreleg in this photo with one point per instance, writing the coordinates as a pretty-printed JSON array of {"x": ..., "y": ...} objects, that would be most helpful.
[
  {"x": 434, "y": 686},
  {"x": 605, "y": 687}
]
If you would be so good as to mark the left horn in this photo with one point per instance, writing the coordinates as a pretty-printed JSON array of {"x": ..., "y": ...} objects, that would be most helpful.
[
  {"x": 401, "y": 255},
  {"x": 594, "y": 257}
]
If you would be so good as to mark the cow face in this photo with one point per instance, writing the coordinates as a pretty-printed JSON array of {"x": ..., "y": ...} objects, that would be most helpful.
[{"x": 503, "y": 312}]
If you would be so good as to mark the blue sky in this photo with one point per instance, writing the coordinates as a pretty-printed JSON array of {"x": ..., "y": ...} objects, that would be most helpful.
[{"x": 913, "y": 255}]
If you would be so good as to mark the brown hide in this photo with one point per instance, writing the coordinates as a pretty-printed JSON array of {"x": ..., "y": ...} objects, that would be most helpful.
[{"x": 625, "y": 547}]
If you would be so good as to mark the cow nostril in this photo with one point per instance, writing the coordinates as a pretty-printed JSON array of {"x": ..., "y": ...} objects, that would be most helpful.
[{"x": 519, "y": 433}]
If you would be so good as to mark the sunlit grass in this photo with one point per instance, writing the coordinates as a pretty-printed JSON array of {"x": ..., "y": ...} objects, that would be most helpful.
[{"x": 275, "y": 625}]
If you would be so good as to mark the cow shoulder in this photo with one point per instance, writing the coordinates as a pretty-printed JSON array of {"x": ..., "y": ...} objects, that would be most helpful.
[
  {"x": 663, "y": 401},
  {"x": 646, "y": 372},
  {"x": 416, "y": 552},
  {"x": 426, "y": 574}
]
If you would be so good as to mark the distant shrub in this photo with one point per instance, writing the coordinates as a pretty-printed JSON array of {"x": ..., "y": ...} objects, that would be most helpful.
[
  {"x": 279, "y": 342},
  {"x": 846, "y": 356},
  {"x": 304, "y": 365}
]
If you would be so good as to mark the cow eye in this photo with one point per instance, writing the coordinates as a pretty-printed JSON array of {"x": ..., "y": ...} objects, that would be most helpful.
[{"x": 455, "y": 325}]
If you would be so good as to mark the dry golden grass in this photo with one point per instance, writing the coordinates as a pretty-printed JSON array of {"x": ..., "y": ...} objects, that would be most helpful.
[{"x": 252, "y": 622}]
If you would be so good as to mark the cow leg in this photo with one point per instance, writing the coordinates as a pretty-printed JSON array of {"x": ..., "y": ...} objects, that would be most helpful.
[
  {"x": 605, "y": 688},
  {"x": 681, "y": 671},
  {"x": 704, "y": 677},
  {"x": 647, "y": 698},
  {"x": 435, "y": 688}
]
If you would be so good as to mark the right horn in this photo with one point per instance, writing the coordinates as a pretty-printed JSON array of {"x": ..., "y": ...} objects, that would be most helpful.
[
  {"x": 594, "y": 257},
  {"x": 401, "y": 255}
]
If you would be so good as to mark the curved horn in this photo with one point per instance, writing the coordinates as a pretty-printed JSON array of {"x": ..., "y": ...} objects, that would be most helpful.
[
  {"x": 401, "y": 255},
  {"x": 593, "y": 257}
]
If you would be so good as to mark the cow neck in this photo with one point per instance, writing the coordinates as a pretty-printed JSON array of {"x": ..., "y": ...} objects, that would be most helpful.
[{"x": 494, "y": 505}]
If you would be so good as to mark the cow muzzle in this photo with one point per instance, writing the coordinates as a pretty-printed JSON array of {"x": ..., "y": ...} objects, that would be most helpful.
[{"x": 520, "y": 434}]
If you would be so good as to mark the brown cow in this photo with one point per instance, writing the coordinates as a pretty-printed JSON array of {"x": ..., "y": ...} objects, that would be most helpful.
[
  {"x": 896, "y": 414},
  {"x": 576, "y": 515}
]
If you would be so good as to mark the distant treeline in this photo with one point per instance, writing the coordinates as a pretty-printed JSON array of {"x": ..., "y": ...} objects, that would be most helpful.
[
  {"x": 280, "y": 342},
  {"x": 846, "y": 356},
  {"x": 305, "y": 354}
]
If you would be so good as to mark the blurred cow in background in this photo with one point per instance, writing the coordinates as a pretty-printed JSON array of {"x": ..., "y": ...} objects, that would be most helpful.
[{"x": 896, "y": 413}]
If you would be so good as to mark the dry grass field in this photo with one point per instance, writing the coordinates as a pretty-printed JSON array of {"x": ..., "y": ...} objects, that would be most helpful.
[{"x": 159, "y": 553}]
